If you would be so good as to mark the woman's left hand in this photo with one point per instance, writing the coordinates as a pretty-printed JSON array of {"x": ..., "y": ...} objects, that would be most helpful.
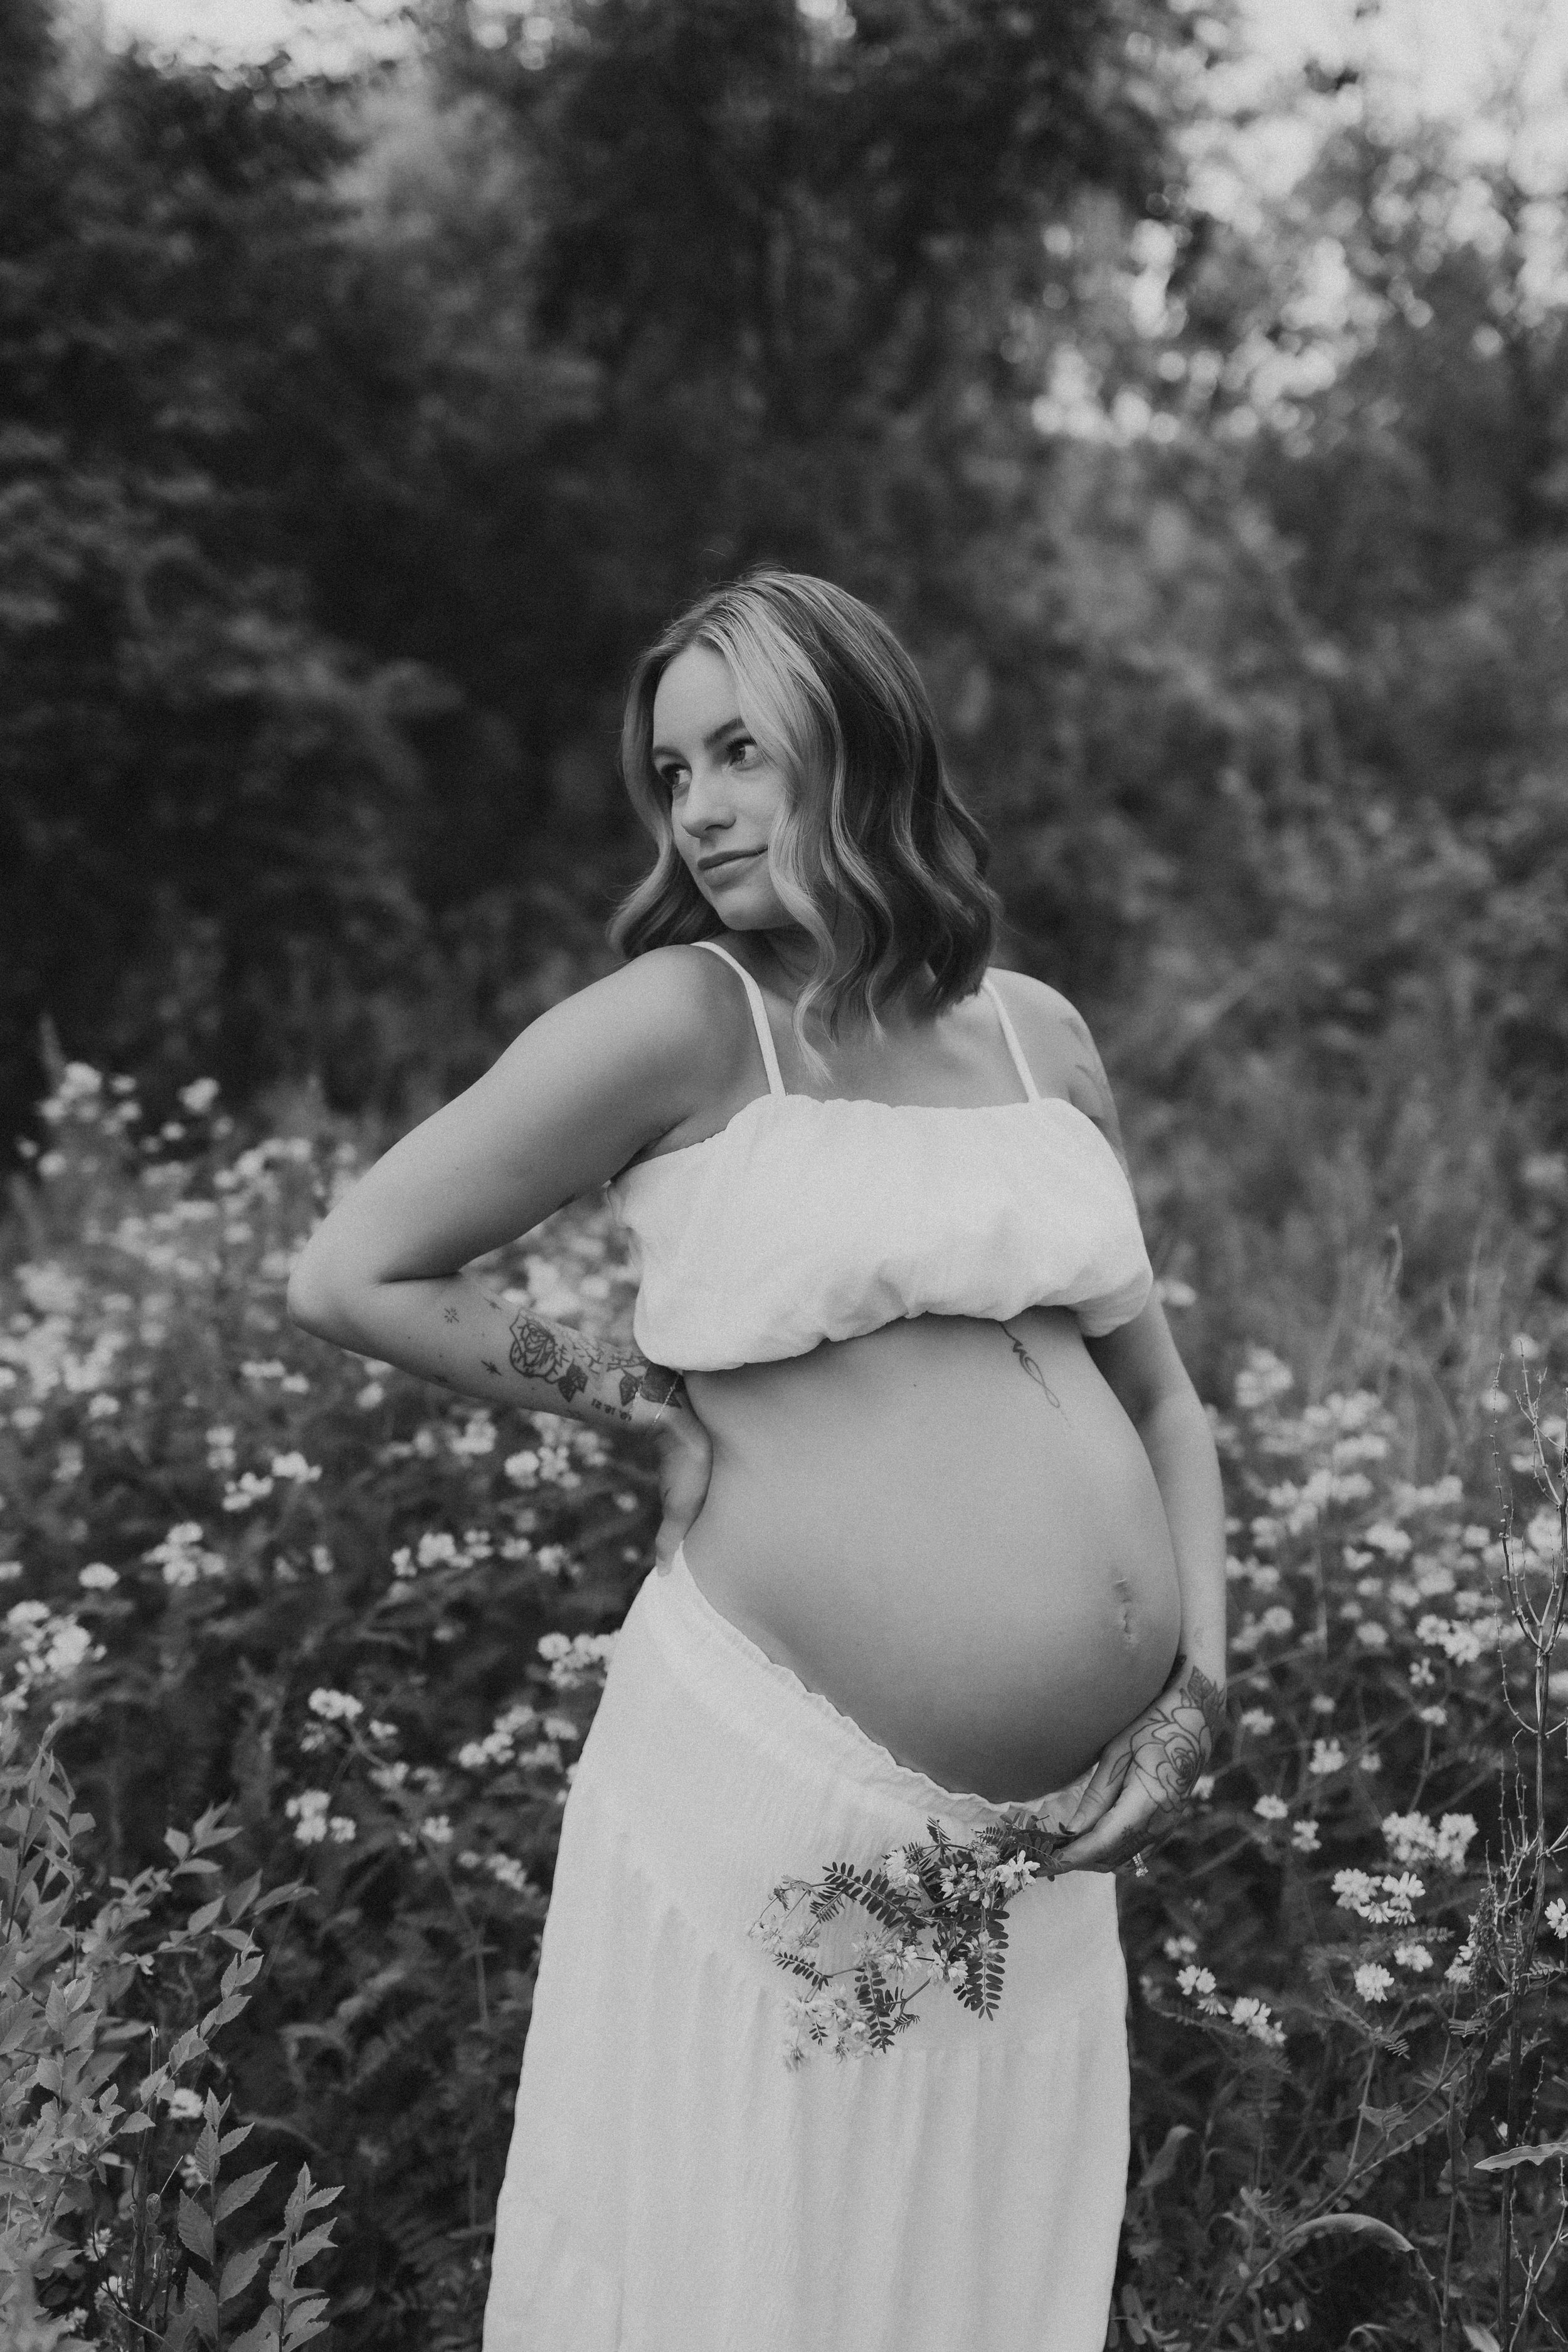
[{"x": 1143, "y": 1781}]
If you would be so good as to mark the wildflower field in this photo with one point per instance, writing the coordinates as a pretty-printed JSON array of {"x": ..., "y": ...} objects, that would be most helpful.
[{"x": 296, "y": 1655}]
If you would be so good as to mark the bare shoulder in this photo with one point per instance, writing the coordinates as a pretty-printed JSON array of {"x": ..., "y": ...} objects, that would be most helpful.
[
  {"x": 670, "y": 1011},
  {"x": 1060, "y": 1050}
]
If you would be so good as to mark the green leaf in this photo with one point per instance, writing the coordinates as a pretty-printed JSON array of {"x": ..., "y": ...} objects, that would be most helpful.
[
  {"x": 241, "y": 2268},
  {"x": 306, "y": 2320},
  {"x": 1350, "y": 2225},
  {"x": 1546, "y": 2151},
  {"x": 240, "y": 2192},
  {"x": 260, "y": 2336},
  {"x": 313, "y": 2243},
  {"x": 203, "y": 2303},
  {"x": 195, "y": 2228},
  {"x": 1480, "y": 2338}
]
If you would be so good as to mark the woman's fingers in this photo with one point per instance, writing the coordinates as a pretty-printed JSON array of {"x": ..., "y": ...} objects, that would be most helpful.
[
  {"x": 1132, "y": 1821},
  {"x": 1104, "y": 1786}
]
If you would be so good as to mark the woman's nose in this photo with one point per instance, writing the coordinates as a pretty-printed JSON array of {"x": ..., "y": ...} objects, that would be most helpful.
[{"x": 704, "y": 806}]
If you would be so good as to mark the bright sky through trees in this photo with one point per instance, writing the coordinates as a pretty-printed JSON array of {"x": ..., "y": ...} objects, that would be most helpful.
[{"x": 1441, "y": 55}]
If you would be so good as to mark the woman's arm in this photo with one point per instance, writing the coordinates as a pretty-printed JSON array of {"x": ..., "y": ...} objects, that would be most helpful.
[
  {"x": 1144, "y": 1779},
  {"x": 451, "y": 1329},
  {"x": 579, "y": 1093}
]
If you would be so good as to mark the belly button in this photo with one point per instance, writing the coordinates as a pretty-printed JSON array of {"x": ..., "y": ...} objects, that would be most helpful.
[{"x": 1124, "y": 1616}]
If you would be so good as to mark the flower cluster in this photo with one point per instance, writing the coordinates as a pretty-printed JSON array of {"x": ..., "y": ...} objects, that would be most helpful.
[
  {"x": 936, "y": 1913},
  {"x": 1253, "y": 2017}
]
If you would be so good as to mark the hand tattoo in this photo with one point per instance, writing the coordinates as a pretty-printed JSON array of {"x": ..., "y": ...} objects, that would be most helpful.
[
  {"x": 1167, "y": 1748},
  {"x": 1029, "y": 1364}
]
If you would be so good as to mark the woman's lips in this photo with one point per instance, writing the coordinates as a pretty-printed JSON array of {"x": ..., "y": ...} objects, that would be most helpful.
[{"x": 729, "y": 864}]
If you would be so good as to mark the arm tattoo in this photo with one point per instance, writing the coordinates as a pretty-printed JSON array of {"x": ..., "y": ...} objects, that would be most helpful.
[
  {"x": 1026, "y": 1362},
  {"x": 569, "y": 1362},
  {"x": 540, "y": 1353}
]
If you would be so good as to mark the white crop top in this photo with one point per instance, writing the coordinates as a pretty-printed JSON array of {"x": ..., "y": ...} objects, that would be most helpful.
[{"x": 806, "y": 1220}]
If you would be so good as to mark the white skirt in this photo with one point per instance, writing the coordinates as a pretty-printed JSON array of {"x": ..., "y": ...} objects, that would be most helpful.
[{"x": 672, "y": 2186}]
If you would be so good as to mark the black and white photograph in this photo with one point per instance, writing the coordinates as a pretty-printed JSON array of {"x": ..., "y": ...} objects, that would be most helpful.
[{"x": 783, "y": 1089}]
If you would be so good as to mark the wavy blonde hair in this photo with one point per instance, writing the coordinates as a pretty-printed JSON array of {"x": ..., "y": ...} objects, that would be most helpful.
[{"x": 876, "y": 858}]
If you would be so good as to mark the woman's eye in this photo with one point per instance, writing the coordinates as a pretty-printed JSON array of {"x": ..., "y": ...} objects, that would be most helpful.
[
  {"x": 742, "y": 749},
  {"x": 673, "y": 779}
]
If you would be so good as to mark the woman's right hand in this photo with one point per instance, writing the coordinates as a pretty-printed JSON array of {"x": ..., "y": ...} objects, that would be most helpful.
[{"x": 685, "y": 1464}]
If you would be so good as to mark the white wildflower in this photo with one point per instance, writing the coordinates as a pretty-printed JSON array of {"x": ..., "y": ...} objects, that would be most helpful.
[
  {"x": 1414, "y": 1956},
  {"x": 1371, "y": 1637},
  {"x": 1373, "y": 1983},
  {"x": 1541, "y": 1535},
  {"x": 1462, "y": 1644},
  {"x": 1385, "y": 1538},
  {"x": 334, "y": 1706},
  {"x": 98, "y": 1577},
  {"x": 1327, "y": 1757},
  {"x": 1557, "y": 1918},
  {"x": 1255, "y": 2017},
  {"x": 1304, "y": 1837},
  {"x": 1410, "y": 1837},
  {"x": 1262, "y": 1378},
  {"x": 1257, "y": 1719},
  {"x": 295, "y": 1469},
  {"x": 239, "y": 1495},
  {"x": 1179, "y": 1948},
  {"x": 1271, "y": 1809},
  {"x": 308, "y": 1811}
]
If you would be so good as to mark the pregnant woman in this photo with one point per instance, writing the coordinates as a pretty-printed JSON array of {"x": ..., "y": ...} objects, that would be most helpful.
[{"x": 942, "y": 1527}]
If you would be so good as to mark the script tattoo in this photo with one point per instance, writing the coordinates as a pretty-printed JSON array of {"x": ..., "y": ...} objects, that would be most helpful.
[{"x": 1029, "y": 1364}]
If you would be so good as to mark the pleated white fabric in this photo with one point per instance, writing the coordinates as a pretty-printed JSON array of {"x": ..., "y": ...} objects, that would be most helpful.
[{"x": 671, "y": 2185}]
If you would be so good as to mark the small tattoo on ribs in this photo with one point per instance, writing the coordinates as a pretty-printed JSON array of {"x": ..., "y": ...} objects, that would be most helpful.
[{"x": 1027, "y": 1364}]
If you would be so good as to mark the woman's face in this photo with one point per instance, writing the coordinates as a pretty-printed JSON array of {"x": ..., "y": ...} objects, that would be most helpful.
[{"x": 725, "y": 796}]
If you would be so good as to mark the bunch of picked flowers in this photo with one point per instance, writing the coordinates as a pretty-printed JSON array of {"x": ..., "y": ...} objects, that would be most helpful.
[{"x": 937, "y": 1913}]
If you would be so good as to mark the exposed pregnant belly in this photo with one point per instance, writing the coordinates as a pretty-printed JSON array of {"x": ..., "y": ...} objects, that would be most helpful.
[{"x": 966, "y": 1551}]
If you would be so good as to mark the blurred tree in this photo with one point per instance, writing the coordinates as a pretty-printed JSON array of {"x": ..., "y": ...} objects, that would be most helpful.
[{"x": 207, "y": 809}]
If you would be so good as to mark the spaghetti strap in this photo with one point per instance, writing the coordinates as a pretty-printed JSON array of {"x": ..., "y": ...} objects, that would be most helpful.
[
  {"x": 1011, "y": 1035},
  {"x": 759, "y": 1014}
]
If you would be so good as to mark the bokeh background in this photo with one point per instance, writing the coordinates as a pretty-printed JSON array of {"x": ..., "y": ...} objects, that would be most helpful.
[{"x": 1187, "y": 385}]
